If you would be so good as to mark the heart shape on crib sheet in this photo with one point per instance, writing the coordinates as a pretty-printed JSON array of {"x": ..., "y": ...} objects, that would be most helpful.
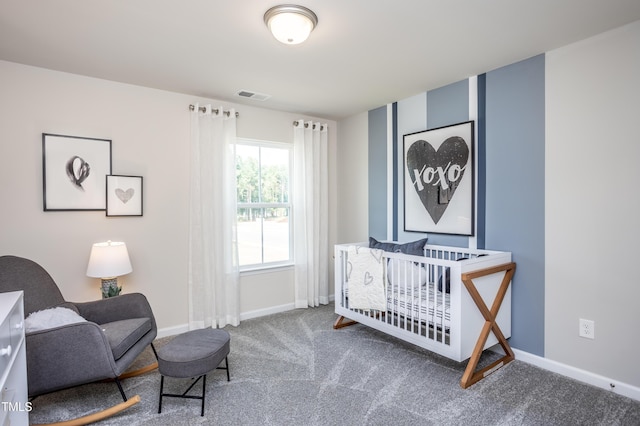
[
  {"x": 368, "y": 279},
  {"x": 436, "y": 174},
  {"x": 377, "y": 254},
  {"x": 123, "y": 195}
]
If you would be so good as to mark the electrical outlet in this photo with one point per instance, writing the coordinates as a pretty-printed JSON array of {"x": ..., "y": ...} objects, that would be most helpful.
[{"x": 587, "y": 329}]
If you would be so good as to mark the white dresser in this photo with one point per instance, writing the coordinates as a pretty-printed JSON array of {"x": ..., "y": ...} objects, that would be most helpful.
[{"x": 14, "y": 407}]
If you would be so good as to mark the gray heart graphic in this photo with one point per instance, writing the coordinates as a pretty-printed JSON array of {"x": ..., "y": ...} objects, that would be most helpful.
[
  {"x": 436, "y": 174},
  {"x": 368, "y": 279},
  {"x": 377, "y": 254},
  {"x": 124, "y": 196}
]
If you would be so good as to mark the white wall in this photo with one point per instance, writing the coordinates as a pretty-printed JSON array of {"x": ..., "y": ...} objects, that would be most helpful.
[
  {"x": 353, "y": 177},
  {"x": 149, "y": 130},
  {"x": 592, "y": 203}
]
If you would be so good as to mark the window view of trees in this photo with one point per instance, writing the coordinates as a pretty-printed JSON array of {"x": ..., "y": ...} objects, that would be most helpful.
[
  {"x": 263, "y": 203},
  {"x": 262, "y": 176}
]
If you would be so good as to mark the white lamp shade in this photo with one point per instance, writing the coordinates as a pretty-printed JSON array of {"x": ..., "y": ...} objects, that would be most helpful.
[
  {"x": 109, "y": 259},
  {"x": 290, "y": 24}
]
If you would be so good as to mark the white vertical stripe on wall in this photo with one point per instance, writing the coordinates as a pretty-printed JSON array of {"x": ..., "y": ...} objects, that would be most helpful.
[
  {"x": 412, "y": 117},
  {"x": 390, "y": 205},
  {"x": 473, "y": 116}
]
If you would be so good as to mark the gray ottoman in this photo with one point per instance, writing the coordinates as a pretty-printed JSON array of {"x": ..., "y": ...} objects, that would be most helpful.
[{"x": 193, "y": 354}]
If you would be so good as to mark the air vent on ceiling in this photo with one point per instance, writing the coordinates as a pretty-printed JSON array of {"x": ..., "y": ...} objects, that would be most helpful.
[{"x": 252, "y": 95}]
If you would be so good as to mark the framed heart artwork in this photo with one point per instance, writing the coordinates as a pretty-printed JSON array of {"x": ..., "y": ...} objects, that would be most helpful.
[
  {"x": 124, "y": 195},
  {"x": 73, "y": 172},
  {"x": 439, "y": 180}
]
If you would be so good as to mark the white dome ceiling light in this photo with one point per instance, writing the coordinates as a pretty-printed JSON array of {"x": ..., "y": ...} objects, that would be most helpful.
[{"x": 289, "y": 23}]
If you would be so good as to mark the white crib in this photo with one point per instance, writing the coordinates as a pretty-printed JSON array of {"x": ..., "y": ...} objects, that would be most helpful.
[{"x": 458, "y": 323}]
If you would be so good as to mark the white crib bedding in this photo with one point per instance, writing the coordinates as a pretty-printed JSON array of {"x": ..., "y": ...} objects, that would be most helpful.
[{"x": 423, "y": 303}]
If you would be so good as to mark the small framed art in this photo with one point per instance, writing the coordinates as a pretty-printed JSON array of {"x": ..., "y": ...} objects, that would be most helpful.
[
  {"x": 73, "y": 172},
  {"x": 124, "y": 195}
]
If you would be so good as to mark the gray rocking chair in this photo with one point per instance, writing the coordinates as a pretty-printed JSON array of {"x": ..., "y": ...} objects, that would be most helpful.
[{"x": 117, "y": 330}]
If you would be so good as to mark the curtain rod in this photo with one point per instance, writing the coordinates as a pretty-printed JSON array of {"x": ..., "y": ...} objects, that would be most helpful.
[
  {"x": 306, "y": 125},
  {"x": 215, "y": 110}
]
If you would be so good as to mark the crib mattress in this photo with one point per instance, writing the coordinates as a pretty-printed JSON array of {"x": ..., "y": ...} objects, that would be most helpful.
[{"x": 422, "y": 303}]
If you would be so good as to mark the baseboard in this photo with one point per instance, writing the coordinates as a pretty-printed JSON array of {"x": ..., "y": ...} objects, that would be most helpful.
[
  {"x": 584, "y": 376},
  {"x": 172, "y": 331},
  {"x": 267, "y": 311},
  {"x": 179, "y": 329}
]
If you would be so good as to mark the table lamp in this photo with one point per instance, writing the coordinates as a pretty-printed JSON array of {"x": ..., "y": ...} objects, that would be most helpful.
[{"x": 108, "y": 261}]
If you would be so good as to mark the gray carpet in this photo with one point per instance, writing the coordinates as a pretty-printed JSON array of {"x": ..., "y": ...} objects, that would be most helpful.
[{"x": 294, "y": 369}]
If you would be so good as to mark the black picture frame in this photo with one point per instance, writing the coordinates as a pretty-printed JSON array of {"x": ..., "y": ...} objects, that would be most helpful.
[
  {"x": 124, "y": 195},
  {"x": 439, "y": 180},
  {"x": 74, "y": 171}
]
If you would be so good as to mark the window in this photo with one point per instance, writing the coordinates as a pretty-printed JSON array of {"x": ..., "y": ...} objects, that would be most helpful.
[{"x": 264, "y": 209}]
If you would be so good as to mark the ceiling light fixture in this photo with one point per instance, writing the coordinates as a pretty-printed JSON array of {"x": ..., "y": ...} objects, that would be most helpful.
[{"x": 289, "y": 23}]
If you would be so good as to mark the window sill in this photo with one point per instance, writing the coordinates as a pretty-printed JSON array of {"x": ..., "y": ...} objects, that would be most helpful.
[{"x": 253, "y": 270}]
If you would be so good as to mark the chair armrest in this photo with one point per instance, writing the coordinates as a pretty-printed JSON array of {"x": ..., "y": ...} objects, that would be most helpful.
[
  {"x": 66, "y": 356},
  {"x": 126, "y": 306}
]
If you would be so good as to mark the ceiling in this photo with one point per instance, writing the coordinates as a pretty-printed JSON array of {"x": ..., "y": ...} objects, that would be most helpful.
[{"x": 363, "y": 54}]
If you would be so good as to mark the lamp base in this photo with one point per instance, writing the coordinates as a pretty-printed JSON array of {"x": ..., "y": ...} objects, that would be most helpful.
[{"x": 110, "y": 287}]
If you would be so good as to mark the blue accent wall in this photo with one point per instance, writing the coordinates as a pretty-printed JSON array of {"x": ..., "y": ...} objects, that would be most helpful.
[
  {"x": 511, "y": 176},
  {"x": 515, "y": 175},
  {"x": 445, "y": 106},
  {"x": 378, "y": 173},
  {"x": 448, "y": 105}
]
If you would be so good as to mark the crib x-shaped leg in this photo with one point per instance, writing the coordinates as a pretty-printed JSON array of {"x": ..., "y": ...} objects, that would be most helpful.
[{"x": 471, "y": 376}]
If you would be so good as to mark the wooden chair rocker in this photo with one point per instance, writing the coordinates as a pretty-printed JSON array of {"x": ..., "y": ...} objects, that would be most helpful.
[{"x": 104, "y": 346}]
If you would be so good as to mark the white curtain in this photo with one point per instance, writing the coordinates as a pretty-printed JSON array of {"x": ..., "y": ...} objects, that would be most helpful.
[
  {"x": 310, "y": 214},
  {"x": 213, "y": 255}
]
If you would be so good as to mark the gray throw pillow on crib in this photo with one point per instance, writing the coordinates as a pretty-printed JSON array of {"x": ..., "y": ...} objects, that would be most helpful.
[
  {"x": 415, "y": 248},
  {"x": 447, "y": 280},
  {"x": 447, "y": 276}
]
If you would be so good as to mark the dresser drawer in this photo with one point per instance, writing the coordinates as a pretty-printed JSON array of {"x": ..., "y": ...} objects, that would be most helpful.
[
  {"x": 16, "y": 322},
  {"x": 5, "y": 344},
  {"x": 13, "y": 362}
]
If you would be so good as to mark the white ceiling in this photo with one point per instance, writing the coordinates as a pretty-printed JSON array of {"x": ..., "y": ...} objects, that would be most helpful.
[{"x": 363, "y": 54}]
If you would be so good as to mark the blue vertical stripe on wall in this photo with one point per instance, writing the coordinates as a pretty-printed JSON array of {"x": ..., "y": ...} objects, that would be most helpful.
[
  {"x": 481, "y": 126},
  {"x": 378, "y": 173},
  {"x": 515, "y": 176},
  {"x": 448, "y": 105},
  {"x": 445, "y": 106}
]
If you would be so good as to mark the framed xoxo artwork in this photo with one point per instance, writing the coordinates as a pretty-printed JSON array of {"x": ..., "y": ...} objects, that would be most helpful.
[{"x": 439, "y": 180}]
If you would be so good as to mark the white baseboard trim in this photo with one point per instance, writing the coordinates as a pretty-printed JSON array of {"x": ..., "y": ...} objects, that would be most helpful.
[
  {"x": 267, "y": 311},
  {"x": 172, "y": 331},
  {"x": 584, "y": 376},
  {"x": 179, "y": 329}
]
